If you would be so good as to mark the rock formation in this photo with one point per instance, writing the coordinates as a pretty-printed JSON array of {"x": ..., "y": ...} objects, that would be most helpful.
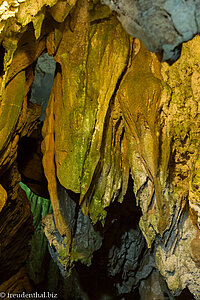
[
  {"x": 119, "y": 152},
  {"x": 162, "y": 25}
]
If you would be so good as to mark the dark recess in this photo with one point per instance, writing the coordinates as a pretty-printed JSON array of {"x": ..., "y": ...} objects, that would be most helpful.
[
  {"x": 29, "y": 161},
  {"x": 95, "y": 279}
]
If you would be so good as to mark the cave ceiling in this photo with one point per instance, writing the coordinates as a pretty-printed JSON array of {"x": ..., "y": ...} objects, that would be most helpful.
[{"x": 124, "y": 106}]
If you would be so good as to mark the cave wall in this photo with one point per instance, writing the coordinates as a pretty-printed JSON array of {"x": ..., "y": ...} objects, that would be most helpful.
[{"x": 115, "y": 114}]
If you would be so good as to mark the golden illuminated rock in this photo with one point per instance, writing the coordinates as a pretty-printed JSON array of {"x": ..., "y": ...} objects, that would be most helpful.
[{"x": 3, "y": 197}]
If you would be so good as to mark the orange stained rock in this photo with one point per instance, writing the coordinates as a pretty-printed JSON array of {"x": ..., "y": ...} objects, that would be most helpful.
[
  {"x": 48, "y": 149},
  {"x": 92, "y": 58},
  {"x": 139, "y": 95},
  {"x": 61, "y": 9},
  {"x": 3, "y": 197},
  {"x": 195, "y": 250}
]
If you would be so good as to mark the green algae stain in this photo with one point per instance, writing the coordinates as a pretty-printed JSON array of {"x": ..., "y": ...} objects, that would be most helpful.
[
  {"x": 40, "y": 207},
  {"x": 90, "y": 78}
]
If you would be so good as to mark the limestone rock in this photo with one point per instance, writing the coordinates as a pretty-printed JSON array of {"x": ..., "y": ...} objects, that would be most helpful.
[
  {"x": 15, "y": 238},
  {"x": 160, "y": 25},
  {"x": 124, "y": 261},
  {"x": 61, "y": 9},
  {"x": 3, "y": 197},
  {"x": 175, "y": 262},
  {"x": 85, "y": 240},
  {"x": 154, "y": 287},
  {"x": 138, "y": 122},
  {"x": 83, "y": 121}
]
